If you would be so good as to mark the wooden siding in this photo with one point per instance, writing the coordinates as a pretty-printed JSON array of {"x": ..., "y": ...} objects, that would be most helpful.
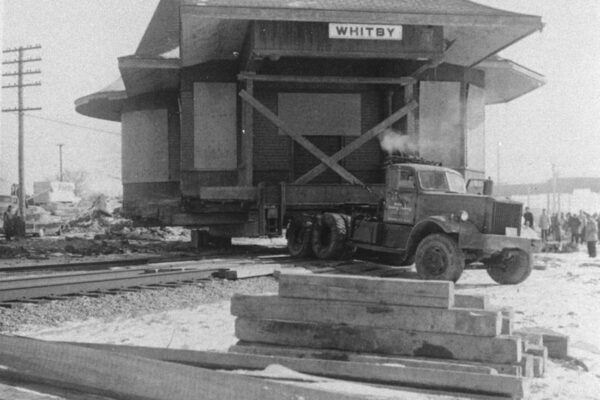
[
  {"x": 312, "y": 39},
  {"x": 145, "y": 150},
  {"x": 215, "y": 126},
  {"x": 271, "y": 150}
]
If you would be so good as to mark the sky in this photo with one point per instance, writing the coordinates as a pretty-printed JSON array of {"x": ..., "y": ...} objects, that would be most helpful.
[{"x": 81, "y": 39}]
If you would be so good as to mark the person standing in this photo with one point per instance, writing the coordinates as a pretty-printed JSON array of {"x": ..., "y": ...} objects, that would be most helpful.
[
  {"x": 591, "y": 235},
  {"x": 528, "y": 216},
  {"x": 574, "y": 227},
  {"x": 544, "y": 224},
  {"x": 7, "y": 220}
]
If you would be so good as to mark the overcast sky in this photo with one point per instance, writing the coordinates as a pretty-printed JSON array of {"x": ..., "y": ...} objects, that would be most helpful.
[{"x": 81, "y": 39}]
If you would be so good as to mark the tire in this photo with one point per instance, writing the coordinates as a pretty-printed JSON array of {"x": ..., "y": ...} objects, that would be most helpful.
[
  {"x": 513, "y": 268},
  {"x": 329, "y": 236},
  {"x": 439, "y": 257},
  {"x": 298, "y": 235}
]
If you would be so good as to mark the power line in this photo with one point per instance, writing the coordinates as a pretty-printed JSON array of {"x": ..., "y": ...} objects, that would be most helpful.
[{"x": 56, "y": 121}]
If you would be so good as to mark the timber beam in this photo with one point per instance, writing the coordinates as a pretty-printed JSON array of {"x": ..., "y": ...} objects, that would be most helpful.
[{"x": 342, "y": 80}]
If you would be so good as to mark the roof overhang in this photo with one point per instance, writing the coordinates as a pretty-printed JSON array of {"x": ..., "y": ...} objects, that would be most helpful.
[
  {"x": 146, "y": 75},
  {"x": 506, "y": 80},
  {"x": 217, "y": 27},
  {"x": 105, "y": 104}
]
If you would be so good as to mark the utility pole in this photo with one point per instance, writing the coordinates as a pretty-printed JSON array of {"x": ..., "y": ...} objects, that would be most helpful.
[
  {"x": 60, "y": 146},
  {"x": 20, "y": 61},
  {"x": 498, "y": 161}
]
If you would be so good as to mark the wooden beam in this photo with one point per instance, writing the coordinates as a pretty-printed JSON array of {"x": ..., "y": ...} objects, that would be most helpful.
[
  {"x": 409, "y": 95},
  {"x": 417, "y": 362},
  {"x": 358, "y": 142},
  {"x": 311, "y": 148},
  {"x": 124, "y": 376},
  {"x": 424, "y": 319},
  {"x": 342, "y": 80},
  {"x": 557, "y": 343},
  {"x": 368, "y": 289},
  {"x": 397, "y": 375},
  {"x": 477, "y": 301},
  {"x": 499, "y": 349},
  {"x": 248, "y": 138}
]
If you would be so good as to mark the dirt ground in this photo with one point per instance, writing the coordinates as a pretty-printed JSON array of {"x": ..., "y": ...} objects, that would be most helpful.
[{"x": 562, "y": 294}]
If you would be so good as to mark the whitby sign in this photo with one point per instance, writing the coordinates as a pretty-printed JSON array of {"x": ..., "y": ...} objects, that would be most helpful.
[{"x": 365, "y": 31}]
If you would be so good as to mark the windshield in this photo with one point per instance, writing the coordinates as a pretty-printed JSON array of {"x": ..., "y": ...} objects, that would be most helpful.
[{"x": 442, "y": 181}]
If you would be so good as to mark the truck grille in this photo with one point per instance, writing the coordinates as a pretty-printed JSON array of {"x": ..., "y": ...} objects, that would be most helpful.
[{"x": 506, "y": 215}]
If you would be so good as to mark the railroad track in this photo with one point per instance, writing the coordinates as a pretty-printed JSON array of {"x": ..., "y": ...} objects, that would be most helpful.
[
  {"x": 57, "y": 286},
  {"x": 101, "y": 277}
]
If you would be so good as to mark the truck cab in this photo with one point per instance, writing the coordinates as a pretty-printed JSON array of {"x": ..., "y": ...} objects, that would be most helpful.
[{"x": 429, "y": 218}]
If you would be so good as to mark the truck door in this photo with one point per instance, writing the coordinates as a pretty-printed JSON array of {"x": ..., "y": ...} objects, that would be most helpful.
[{"x": 400, "y": 195}]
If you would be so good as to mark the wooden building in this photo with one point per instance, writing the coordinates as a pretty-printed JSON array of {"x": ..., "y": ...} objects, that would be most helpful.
[{"x": 236, "y": 113}]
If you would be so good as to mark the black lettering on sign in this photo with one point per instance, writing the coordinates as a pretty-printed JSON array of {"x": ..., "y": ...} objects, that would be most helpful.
[
  {"x": 380, "y": 32},
  {"x": 341, "y": 30}
]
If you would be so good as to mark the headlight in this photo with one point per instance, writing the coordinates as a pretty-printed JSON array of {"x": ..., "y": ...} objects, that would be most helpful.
[{"x": 464, "y": 216}]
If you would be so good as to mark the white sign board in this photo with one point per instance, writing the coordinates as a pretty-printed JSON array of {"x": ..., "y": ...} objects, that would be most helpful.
[{"x": 365, "y": 31}]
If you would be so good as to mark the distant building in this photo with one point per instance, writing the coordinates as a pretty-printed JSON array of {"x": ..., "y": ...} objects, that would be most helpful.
[{"x": 571, "y": 194}]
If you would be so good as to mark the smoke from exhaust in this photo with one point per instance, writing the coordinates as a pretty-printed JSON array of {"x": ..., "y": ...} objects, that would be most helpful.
[{"x": 392, "y": 141}]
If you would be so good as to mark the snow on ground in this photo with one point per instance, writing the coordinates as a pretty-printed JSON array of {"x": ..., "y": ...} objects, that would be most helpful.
[{"x": 563, "y": 294}]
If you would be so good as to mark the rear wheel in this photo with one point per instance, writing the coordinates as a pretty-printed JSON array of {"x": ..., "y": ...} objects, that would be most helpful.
[
  {"x": 439, "y": 257},
  {"x": 299, "y": 234},
  {"x": 329, "y": 236},
  {"x": 513, "y": 267}
]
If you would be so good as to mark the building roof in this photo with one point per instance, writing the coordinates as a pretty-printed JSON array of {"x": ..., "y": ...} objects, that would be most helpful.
[
  {"x": 216, "y": 29},
  {"x": 563, "y": 185}
]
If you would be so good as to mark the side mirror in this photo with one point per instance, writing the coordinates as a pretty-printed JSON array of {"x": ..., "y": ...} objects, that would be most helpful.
[{"x": 488, "y": 187}]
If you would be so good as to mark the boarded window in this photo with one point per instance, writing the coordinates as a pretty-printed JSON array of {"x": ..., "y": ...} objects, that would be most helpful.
[
  {"x": 317, "y": 114},
  {"x": 440, "y": 130},
  {"x": 145, "y": 146},
  {"x": 215, "y": 143}
]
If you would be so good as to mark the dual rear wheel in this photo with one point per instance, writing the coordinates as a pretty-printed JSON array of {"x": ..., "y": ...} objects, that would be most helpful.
[{"x": 326, "y": 237}]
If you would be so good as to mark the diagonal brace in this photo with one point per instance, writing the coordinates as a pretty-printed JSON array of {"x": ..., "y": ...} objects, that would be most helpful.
[
  {"x": 314, "y": 150},
  {"x": 364, "y": 138}
]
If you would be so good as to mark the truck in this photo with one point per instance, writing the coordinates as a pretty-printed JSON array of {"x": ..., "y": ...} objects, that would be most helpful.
[{"x": 427, "y": 217}]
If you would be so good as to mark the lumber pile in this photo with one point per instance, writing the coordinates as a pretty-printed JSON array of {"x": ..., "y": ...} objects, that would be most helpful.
[
  {"x": 86, "y": 371},
  {"x": 441, "y": 340}
]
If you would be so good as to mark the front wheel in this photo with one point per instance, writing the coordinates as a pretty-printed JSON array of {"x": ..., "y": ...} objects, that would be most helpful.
[
  {"x": 512, "y": 268},
  {"x": 438, "y": 257}
]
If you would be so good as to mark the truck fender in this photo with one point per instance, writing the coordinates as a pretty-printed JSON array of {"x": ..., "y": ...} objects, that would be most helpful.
[{"x": 436, "y": 224}]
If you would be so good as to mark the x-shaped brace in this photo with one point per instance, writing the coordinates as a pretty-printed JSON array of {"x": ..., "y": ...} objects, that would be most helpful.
[{"x": 327, "y": 161}]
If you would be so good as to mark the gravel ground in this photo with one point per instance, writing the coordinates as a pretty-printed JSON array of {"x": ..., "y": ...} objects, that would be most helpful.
[{"x": 127, "y": 305}]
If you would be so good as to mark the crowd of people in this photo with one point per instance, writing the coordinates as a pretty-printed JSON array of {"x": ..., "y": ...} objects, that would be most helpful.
[{"x": 570, "y": 227}]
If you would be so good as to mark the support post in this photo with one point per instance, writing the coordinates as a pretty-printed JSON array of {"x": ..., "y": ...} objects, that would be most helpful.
[
  {"x": 409, "y": 95},
  {"x": 248, "y": 138}
]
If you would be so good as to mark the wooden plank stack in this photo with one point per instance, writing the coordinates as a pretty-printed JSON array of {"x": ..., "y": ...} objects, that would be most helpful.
[{"x": 420, "y": 325}]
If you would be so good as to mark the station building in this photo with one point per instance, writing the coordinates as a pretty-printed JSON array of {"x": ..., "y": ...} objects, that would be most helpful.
[{"x": 235, "y": 113}]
